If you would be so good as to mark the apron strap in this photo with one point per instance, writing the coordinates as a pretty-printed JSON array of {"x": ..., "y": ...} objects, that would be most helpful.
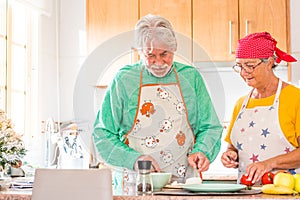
[
  {"x": 278, "y": 91},
  {"x": 276, "y": 99}
]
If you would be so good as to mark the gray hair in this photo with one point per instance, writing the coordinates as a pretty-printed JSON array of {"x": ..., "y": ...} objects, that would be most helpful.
[
  {"x": 153, "y": 31},
  {"x": 265, "y": 60}
]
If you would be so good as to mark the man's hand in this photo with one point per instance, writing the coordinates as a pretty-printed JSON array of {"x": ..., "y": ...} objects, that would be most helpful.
[{"x": 199, "y": 161}]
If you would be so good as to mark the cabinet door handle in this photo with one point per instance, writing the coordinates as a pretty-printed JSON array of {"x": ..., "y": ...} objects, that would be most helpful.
[
  {"x": 246, "y": 24},
  {"x": 230, "y": 37}
]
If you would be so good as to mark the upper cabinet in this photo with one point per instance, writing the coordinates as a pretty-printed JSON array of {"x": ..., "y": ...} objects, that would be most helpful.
[
  {"x": 215, "y": 29},
  {"x": 265, "y": 15},
  {"x": 106, "y": 19},
  {"x": 218, "y": 24},
  {"x": 207, "y": 30},
  {"x": 179, "y": 13}
]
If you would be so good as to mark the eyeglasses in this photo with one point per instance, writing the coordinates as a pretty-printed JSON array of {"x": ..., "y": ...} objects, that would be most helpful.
[{"x": 248, "y": 68}]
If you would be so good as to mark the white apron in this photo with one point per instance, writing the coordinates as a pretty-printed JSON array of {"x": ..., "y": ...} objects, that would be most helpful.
[
  {"x": 257, "y": 134},
  {"x": 161, "y": 129}
]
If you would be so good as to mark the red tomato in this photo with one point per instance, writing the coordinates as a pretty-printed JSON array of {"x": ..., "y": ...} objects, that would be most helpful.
[
  {"x": 244, "y": 181},
  {"x": 267, "y": 178}
]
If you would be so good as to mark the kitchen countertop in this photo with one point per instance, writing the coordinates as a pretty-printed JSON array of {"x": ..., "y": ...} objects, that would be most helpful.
[
  {"x": 161, "y": 197},
  {"x": 179, "y": 194},
  {"x": 26, "y": 195},
  {"x": 170, "y": 192}
]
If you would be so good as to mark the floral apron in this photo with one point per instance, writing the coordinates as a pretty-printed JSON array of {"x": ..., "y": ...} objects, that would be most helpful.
[
  {"x": 161, "y": 129},
  {"x": 257, "y": 134}
]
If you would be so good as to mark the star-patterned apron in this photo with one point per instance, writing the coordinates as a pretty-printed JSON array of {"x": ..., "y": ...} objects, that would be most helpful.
[
  {"x": 257, "y": 134},
  {"x": 161, "y": 129}
]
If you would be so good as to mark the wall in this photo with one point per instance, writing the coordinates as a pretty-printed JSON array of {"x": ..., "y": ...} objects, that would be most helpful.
[
  {"x": 72, "y": 51},
  {"x": 48, "y": 77},
  {"x": 295, "y": 40},
  {"x": 61, "y": 52}
]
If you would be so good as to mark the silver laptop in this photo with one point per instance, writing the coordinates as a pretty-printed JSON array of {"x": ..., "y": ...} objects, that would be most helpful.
[{"x": 72, "y": 184}]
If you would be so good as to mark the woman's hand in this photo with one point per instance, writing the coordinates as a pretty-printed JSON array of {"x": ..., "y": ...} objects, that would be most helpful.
[
  {"x": 256, "y": 170},
  {"x": 199, "y": 161},
  {"x": 229, "y": 159},
  {"x": 154, "y": 166}
]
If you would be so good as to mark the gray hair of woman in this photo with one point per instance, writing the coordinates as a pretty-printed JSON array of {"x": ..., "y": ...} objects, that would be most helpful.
[{"x": 153, "y": 31}]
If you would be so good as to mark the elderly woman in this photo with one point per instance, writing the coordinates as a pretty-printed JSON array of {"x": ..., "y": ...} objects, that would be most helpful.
[
  {"x": 157, "y": 110},
  {"x": 264, "y": 133}
]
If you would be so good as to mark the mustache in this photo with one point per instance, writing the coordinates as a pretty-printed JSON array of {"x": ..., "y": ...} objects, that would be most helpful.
[{"x": 154, "y": 66}]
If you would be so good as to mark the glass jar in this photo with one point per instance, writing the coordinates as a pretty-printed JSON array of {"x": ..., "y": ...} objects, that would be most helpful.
[{"x": 143, "y": 180}]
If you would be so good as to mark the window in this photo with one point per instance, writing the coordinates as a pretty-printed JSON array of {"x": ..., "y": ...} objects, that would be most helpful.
[
  {"x": 2, "y": 54},
  {"x": 18, "y": 25}
]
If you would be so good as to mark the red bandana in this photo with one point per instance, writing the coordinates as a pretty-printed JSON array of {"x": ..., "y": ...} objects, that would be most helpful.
[{"x": 261, "y": 45}]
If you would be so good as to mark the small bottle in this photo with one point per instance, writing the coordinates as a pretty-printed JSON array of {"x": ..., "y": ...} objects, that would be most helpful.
[{"x": 143, "y": 180}]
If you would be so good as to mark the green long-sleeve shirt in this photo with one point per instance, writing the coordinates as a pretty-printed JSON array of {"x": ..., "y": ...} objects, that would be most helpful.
[{"x": 116, "y": 116}]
